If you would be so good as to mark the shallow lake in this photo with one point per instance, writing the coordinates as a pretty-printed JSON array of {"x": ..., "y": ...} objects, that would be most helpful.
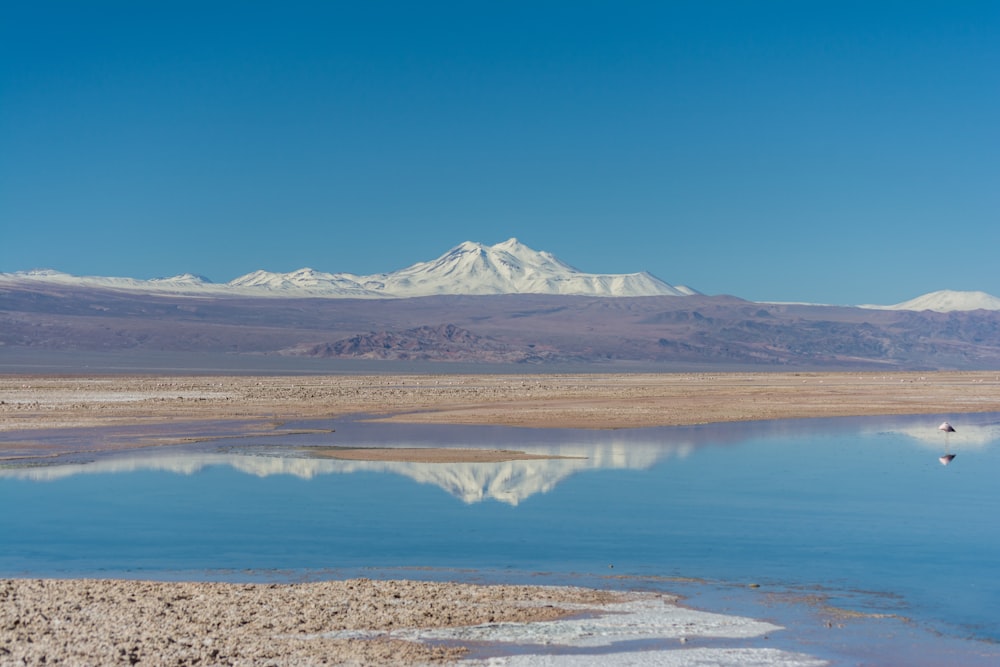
[{"x": 859, "y": 510}]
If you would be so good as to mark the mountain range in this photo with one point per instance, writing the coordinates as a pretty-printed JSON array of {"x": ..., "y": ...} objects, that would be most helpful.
[
  {"x": 468, "y": 269},
  {"x": 504, "y": 304}
]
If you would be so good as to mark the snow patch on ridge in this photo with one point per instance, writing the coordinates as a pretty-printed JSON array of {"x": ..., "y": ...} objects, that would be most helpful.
[{"x": 945, "y": 301}]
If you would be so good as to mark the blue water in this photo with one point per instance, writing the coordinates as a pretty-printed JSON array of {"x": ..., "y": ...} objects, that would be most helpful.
[{"x": 838, "y": 506}]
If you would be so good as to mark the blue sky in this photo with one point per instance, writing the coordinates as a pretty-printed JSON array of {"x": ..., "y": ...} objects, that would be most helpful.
[{"x": 838, "y": 152}]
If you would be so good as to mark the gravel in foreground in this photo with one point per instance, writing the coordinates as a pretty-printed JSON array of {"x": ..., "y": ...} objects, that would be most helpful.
[{"x": 121, "y": 622}]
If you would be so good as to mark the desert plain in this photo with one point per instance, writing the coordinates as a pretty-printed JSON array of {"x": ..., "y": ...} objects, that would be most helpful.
[
  {"x": 159, "y": 623},
  {"x": 602, "y": 401}
]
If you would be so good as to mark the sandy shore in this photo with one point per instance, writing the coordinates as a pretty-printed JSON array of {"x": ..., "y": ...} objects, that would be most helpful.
[
  {"x": 541, "y": 401},
  {"x": 426, "y": 454}
]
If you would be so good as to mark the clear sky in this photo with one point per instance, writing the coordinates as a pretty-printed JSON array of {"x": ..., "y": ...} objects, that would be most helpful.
[{"x": 837, "y": 152}]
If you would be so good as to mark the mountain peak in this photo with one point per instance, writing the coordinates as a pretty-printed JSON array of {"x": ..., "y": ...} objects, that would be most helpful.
[
  {"x": 510, "y": 245},
  {"x": 513, "y": 268}
]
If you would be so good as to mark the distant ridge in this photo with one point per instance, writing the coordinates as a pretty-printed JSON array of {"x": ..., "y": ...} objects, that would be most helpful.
[
  {"x": 469, "y": 268},
  {"x": 42, "y": 323},
  {"x": 946, "y": 301}
]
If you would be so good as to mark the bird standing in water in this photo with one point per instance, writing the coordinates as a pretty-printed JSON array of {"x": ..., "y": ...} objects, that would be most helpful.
[{"x": 948, "y": 429}]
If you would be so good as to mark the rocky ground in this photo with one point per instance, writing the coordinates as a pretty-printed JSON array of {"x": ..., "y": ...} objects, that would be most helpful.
[{"x": 118, "y": 622}]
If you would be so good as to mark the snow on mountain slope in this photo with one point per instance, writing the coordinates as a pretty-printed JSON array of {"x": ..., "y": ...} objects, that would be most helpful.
[
  {"x": 512, "y": 268},
  {"x": 304, "y": 282},
  {"x": 183, "y": 279},
  {"x": 186, "y": 283},
  {"x": 469, "y": 268},
  {"x": 945, "y": 301}
]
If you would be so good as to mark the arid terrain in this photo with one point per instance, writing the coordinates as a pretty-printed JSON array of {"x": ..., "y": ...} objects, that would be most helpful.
[
  {"x": 540, "y": 401},
  {"x": 535, "y": 331},
  {"x": 116, "y": 622}
]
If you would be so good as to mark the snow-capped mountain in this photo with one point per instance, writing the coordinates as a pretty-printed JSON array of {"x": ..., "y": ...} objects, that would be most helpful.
[
  {"x": 946, "y": 301},
  {"x": 469, "y": 268},
  {"x": 513, "y": 268}
]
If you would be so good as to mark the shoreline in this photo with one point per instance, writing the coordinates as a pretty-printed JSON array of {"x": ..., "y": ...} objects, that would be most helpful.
[
  {"x": 121, "y": 621},
  {"x": 48, "y": 609},
  {"x": 417, "y": 621},
  {"x": 149, "y": 410},
  {"x": 374, "y": 622},
  {"x": 606, "y": 401}
]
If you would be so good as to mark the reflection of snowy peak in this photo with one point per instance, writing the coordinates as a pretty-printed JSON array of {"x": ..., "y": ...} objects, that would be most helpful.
[
  {"x": 469, "y": 268},
  {"x": 509, "y": 482},
  {"x": 512, "y": 482}
]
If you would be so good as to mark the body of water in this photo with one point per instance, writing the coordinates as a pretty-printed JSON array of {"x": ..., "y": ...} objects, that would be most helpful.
[{"x": 858, "y": 511}]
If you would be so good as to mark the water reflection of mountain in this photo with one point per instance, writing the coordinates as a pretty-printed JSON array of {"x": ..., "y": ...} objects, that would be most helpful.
[{"x": 509, "y": 482}]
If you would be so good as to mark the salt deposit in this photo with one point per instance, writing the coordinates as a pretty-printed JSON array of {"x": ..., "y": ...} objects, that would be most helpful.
[{"x": 647, "y": 621}]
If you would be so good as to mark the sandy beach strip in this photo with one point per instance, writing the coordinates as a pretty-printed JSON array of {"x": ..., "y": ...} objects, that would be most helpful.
[
  {"x": 602, "y": 401},
  {"x": 427, "y": 454}
]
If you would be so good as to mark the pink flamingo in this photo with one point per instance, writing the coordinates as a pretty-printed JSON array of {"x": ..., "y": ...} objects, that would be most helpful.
[{"x": 948, "y": 457}]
